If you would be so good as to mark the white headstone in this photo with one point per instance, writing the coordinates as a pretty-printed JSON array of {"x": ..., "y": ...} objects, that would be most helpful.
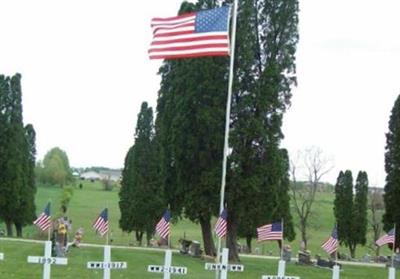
[
  {"x": 167, "y": 269},
  {"x": 392, "y": 273},
  {"x": 106, "y": 265},
  {"x": 336, "y": 272},
  {"x": 1, "y": 256},
  {"x": 47, "y": 260}
]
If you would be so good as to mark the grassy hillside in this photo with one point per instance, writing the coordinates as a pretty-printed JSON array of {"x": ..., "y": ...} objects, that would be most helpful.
[{"x": 87, "y": 203}]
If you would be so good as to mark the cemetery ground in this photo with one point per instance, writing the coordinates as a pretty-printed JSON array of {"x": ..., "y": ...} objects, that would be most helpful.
[
  {"x": 86, "y": 204},
  {"x": 15, "y": 265}
]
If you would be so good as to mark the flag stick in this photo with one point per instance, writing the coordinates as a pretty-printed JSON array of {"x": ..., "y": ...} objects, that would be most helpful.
[
  {"x": 282, "y": 240},
  {"x": 51, "y": 223},
  {"x": 394, "y": 245},
  {"x": 227, "y": 121},
  {"x": 169, "y": 233},
  {"x": 109, "y": 227}
]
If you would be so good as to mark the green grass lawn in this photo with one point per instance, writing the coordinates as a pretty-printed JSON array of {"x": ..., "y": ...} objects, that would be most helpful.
[
  {"x": 87, "y": 203},
  {"x": 15, "y": 265}
]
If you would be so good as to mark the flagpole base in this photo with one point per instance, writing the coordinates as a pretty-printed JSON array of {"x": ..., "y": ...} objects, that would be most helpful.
[
  {"x": 281, "y": 268},
  {"x": 392, "y": 273},
  {"x": 336, "y": 272}
]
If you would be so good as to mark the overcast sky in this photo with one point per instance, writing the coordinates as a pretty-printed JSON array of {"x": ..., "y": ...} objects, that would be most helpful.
[{"x": 85, "y": 72}]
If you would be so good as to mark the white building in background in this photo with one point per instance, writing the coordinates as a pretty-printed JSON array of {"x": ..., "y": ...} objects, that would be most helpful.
[
  {"x": 90, "y": 175},
  {"x": 113, "y": 175}
]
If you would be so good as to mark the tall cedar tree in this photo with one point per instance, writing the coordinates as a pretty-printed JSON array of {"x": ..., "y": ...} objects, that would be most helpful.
[
  {"x": 26, "y": 213},
  {"x": 360, "y": 221},
  {"x": 343, "y": 206},
  {"x": 267, "y": 36},
  {"x": 16, "y": 196},
  {"x": 391, "y": 197},
  {"x": 190, "y": 125},
  {"x": 351, "y": 214},
  {"x": 141, "y": 199},
  {"x": 4, "y": 92}
]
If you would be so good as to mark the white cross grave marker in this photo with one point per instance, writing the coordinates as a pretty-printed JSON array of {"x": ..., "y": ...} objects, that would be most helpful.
[
  {"x": 336, "y": 272},
  {"x": 167, "y": 269},
  {"x": 281, "y": 268},
  {"x": 392, "y": 273},
  {"x": 279, "y": 277},
  {"x": 47, "y": 260},
  {"x": 281, "y": 273},
  {"x": 224, "y": 267},
  {"x": 106, "y": 265}
]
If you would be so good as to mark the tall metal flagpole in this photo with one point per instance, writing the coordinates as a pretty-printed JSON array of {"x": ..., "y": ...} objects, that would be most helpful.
[{"x": 227, "y": 119}]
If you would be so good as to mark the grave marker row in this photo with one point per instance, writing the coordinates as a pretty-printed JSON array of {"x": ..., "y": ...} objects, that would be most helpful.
[{"x": 167, "y": 269}]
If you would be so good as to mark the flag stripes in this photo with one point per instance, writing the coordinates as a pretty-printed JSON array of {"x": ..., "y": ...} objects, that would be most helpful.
[
  {"x": 203, "y": 33},
  {"x": 387, "y": 238},
  {"x": 332, "y": 243},
  {"x": 43, "y": 222},
  {"x": 163, "y": 226},
  {"x": 221, "y": 227},
  {"x": 101, "y": 223},
  {"x": 270, "y": 232}
]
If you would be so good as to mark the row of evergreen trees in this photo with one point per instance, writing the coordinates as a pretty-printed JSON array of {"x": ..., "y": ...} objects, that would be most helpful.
[
  {"x": 178, "y": 161},
  {"x": 17, "y": 158}
]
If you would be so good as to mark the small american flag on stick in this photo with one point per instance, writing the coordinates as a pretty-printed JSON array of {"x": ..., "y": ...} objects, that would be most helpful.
[
  {"x": 44, "y": 220},
  {"x": 272, "y": 231},
  {"x": 222, "y": 224},
  {"x": 162, "y": 226},
  {"x": 101, "y": 223},
  {"x": 387, "y": 238},
  {"x": 332, "y": 243}
]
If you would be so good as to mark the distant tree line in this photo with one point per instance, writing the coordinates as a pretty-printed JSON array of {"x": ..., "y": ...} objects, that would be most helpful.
[
  {"x": 177, "y": 160},
  {"x": 17, "y": 159}
]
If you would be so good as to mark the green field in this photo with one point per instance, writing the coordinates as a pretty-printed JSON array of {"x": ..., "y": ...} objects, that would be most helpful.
[
  {"x": 87, "y": 203},
  {"x": 15, "y": 265}
]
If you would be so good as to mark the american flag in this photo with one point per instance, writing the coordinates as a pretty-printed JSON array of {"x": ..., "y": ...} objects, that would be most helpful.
[
  {"x": 203, "y": 33},
  {"x": 387, "y": 238},
  {"x": 270, "y": 232},
  {"x": 162, "y": 226},
  {"x": 221, "y": 225},
  {"x": 44, "y": 219},
  {"x": 101, "y": 223},
  {"x": 332, "y": 243}
]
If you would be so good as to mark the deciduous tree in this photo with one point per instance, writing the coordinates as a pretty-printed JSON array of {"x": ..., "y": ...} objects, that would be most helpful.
[
  {"x": 55, "y": 168},
  {"x": 315, "y": 166}
]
